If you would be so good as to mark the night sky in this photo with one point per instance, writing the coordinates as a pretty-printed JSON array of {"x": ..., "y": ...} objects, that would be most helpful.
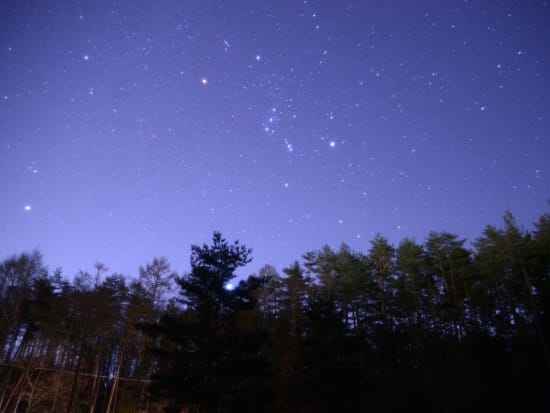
[{"x": 132, "y": 129}]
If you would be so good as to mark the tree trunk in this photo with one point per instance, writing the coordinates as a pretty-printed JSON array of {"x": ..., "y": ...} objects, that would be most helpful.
[
  {"x": 75, "y": 379},
  {"x": 5, "y": 387},
  {"x": 95, "y": 386},
  {"x": 536, "y": 316},
  {"x": 114, "y": 388}
]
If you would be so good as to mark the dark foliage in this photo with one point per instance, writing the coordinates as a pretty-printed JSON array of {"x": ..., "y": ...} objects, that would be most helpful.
[{"x": 429, "y": 327}]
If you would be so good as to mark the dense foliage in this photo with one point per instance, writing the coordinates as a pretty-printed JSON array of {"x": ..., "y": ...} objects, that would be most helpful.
[{"x": 436, "y": 326}]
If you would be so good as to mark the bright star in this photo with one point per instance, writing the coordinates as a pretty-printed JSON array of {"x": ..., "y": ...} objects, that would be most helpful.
[
  {"x": 332, "y": 144},
  {"x": 86, "y": 57},
  {"x": 204, "y": 81},
  {"x": 229, "y": 287},
  {"x": 28, "y": 208}
]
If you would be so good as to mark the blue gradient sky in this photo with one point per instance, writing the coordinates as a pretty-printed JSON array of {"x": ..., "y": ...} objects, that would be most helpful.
[{"x": 131, "y": 129}]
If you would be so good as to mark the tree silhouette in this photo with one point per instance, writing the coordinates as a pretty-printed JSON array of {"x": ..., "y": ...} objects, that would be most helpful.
[
  {"x": 432, "y": 326},
  {"x": 207, "y": 364}
]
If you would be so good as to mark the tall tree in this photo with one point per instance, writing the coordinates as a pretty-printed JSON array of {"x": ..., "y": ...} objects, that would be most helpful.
[
  {"x": 203, "y": 342},
  {"x": 158, "y": 280},
  {"x": 17, "y": 275},
  {"x": 412, "y": 283},
  {"x": 381, "y": 259},
  {"x": 449, "y": 263}
]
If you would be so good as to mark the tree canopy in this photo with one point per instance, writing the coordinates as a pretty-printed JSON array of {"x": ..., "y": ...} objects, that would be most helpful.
[{"x": 435, "y": 326}]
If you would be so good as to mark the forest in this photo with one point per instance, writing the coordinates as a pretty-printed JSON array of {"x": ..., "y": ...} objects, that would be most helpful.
[{"x": 442, "y": 325}]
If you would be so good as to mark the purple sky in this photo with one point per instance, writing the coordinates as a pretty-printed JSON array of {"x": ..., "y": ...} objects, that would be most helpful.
[{"x": 131, "y": 129}]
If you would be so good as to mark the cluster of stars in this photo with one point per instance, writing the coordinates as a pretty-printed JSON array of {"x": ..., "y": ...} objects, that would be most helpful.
[{"x": 279, "y": 107}]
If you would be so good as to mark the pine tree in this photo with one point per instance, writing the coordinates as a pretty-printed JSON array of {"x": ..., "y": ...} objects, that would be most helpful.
[{"x": 207, "y": 349}]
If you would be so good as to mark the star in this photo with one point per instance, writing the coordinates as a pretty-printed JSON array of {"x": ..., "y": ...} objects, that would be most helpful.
[{"x": 317, "y": 114}]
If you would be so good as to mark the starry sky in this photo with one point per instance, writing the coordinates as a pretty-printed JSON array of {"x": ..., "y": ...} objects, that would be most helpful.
[{"x": 131, "y": 129}]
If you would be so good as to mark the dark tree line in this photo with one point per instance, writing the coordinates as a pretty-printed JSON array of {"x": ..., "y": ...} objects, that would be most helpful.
[{"x": 434, "y": 326}]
